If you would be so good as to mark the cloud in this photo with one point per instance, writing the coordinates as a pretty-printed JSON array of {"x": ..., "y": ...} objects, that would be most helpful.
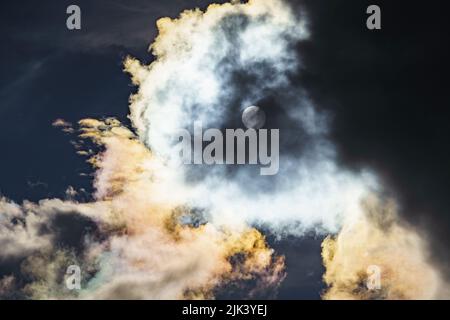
[
  {"x": 131, "y": 241},
  {"x": 384, "y": 118},
  {"x": 378, "y": 238},
  {"x": 211, "y": 65},
  {"x": 156, "y": 230}
]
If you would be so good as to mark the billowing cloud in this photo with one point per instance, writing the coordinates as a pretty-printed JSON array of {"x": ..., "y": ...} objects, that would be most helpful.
[
  {"x": 131, "y": 242},
  {"x": 209, "y": 67},
  {"x": 379, "y": 257}
]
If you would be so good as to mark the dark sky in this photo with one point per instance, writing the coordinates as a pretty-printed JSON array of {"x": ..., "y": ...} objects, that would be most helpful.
[{"x": 387, "y": 89}]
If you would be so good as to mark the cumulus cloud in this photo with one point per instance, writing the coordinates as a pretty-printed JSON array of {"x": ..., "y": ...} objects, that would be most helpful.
[
  {"x": 131, "y": 241},
  {"x": 379, "y": 242},
  {"x": 209, "y": 67}
]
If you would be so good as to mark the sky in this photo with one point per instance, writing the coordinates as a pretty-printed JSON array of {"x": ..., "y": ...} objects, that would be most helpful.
[{"x": 383, "y": 93}]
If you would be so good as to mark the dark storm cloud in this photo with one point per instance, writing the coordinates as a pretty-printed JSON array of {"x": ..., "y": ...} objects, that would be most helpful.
[{"x": 388, "y": 93}]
